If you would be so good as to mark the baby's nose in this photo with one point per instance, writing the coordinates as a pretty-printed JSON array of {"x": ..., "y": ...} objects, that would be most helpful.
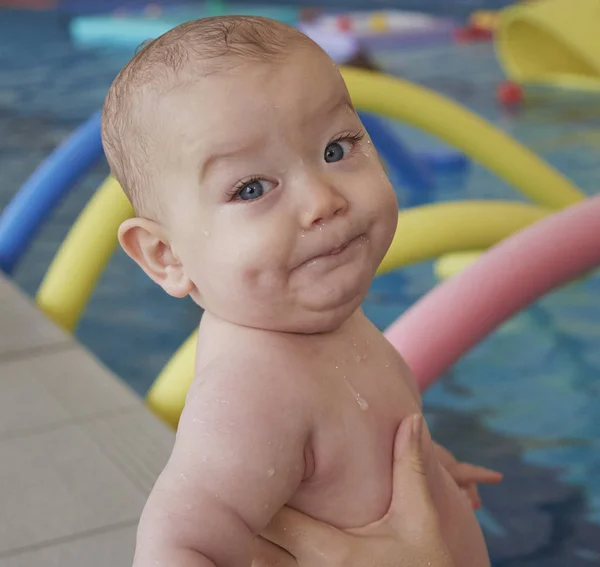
[{"x": 325, "y": 203}]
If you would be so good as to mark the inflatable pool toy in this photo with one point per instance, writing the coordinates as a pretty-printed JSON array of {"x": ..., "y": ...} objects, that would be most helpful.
[
  {"x": 551, "y": 42},
  {"x": 444, "y": 160},
  {"x": 128, "y": 30},
  {"x": 510, "y": 94},
  {"x": 449, "y": 265},
  {"x": 463, "y": 310},
  {"x": 45, "y": 188},
  {"x": 460, "y": 128},
  {"x": 74, "y": 272},
  {"x": 433, "y": 230}
]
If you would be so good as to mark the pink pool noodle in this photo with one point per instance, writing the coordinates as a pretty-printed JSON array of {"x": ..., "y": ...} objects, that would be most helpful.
[{"x": 435, "y": 332}]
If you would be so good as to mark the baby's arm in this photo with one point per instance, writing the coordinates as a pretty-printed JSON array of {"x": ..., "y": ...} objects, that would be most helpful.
[{"x": 238, "y": 458}]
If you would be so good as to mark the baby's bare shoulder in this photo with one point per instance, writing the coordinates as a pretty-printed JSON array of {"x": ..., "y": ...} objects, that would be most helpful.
[{"x": 248, "y": 381}]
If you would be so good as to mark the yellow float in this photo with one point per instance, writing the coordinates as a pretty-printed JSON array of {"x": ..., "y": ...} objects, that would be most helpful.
[
  {"x": 73, "y": 274},
  {"x": 451, "y": 264},
  {"x": 551, "y": 42}
]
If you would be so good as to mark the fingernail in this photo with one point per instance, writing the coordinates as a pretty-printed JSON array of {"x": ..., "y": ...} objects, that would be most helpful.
[{"x": 417, "y": 426}]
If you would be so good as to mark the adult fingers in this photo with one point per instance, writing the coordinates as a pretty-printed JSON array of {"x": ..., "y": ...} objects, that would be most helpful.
[
  {"x": 412, "y": 507},
  {"x": 310, "y": 541},
  {"x": 267, "y": 554}
]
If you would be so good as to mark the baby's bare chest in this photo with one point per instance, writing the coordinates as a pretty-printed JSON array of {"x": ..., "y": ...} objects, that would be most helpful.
[{"x": 364, "y": 396}]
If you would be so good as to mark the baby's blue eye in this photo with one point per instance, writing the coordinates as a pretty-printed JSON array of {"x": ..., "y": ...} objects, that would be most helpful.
[
  {"x": 335, "y": 152},
  {"x": 252, "y": 190}
]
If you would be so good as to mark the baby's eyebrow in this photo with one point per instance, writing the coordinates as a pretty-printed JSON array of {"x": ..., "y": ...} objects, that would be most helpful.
[
  {"x": 215, "y": 158},
  {"x": 341, "y": 103}
]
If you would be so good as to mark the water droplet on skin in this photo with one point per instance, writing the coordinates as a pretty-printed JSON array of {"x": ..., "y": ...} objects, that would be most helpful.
[
  {"x": 303, "y": 234},
  {"x": 387, "y": 365},
  {"x": 271, "y": 472},
  {"x": 183, "y": 477},
  {"x": 362, "y": 403},
  {"x": 206, "y": 233}
]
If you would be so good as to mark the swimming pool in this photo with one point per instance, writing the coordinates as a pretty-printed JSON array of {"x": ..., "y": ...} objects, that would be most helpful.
[{"x": 525, "y": 401}]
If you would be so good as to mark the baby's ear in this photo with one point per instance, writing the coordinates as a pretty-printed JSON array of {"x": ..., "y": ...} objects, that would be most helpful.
[{"x": 146, "y": 243}]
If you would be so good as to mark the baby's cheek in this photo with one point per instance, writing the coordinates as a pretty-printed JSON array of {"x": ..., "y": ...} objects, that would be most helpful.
[{"x": 261, "y": 279}]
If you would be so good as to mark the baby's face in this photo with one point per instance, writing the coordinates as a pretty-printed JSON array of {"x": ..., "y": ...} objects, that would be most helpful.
[{"x": 276, "y": 203}]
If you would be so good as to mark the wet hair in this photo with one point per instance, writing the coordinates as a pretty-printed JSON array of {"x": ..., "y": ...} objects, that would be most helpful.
[{"x": 189, "y": 52}]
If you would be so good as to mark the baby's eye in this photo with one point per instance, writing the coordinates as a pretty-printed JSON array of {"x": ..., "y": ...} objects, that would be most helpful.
[
  {"x": 337, "y": 151},
  {"x": 254, "y": 189}
]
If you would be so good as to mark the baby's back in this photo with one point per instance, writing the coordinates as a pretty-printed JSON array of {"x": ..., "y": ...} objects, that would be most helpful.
[
  {"x": 359, "y": 390},
  {"x": 365, "y": 391}
]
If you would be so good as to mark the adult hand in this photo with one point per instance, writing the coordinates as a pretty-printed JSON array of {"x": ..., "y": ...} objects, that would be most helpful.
[{"x": 409, "y": 533}]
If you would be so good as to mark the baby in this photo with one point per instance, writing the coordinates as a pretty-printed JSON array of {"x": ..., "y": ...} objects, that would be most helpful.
[{"x": 260, "y": 195}]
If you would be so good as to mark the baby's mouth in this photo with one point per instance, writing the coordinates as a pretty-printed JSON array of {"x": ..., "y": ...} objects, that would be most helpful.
[{"x": 337, "y": 250}]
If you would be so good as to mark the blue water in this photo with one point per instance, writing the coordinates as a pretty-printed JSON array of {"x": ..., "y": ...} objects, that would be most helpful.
[{"x": 526, "y": 401}]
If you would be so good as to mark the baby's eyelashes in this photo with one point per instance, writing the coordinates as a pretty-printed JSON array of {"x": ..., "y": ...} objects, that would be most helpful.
[{"x": 253, "y": 189}]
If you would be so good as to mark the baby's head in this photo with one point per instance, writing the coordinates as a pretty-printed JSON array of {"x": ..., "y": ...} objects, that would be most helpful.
[{"x": 256, "y": 187}]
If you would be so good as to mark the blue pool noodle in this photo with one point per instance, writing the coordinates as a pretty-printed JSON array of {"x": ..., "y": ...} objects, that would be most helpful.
[
  {"x": 410, "y": 169},
  {"x": 40, "y": 194}
]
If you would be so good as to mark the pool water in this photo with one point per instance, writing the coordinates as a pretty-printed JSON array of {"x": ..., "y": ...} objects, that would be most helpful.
[{"x": 526, "y": 401}]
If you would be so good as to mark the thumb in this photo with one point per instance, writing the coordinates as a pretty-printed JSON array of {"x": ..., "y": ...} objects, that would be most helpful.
[
  {"x": 308, "y": 540},
  {"x": 412, "y": 507}
]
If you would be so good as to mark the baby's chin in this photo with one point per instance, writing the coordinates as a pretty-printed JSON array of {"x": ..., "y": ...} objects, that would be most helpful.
[{"x": 306, "y": 319}]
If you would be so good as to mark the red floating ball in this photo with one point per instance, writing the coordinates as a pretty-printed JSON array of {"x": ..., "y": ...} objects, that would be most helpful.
[{"x": 510, "y": 94}]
